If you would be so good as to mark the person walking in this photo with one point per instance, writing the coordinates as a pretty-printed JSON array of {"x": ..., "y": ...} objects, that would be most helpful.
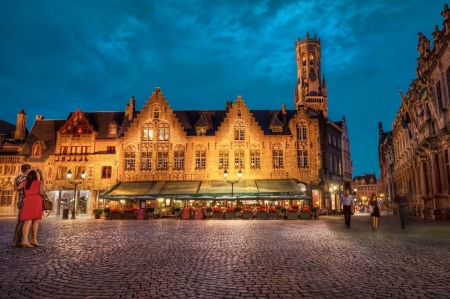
[
  {"x": 17, "y": 241},
  {"x": 32, "y": 208},
  {"x": 402, "y": 202},
  {"x": 375, "y": 210},
  {"x": 347, "y": 203}
]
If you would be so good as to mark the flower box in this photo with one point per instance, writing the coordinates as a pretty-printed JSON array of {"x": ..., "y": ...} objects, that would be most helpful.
[
  {"x": 247, "y": 215},
  {"x": 273, "y": 215},
  {"x": 128, "y": 215},
  {"x": 305, "y": 215},
  {"x": 292, "y": 215},
  {"x": 230, "y": 215},
  {"x": 217, "y": 215},
  {"x": 115, "y": 216},
  {"x": 261, "y": 215}
]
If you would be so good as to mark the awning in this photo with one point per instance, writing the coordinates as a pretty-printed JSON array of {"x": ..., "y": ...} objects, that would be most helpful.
[{"x": 206, "y": 190}]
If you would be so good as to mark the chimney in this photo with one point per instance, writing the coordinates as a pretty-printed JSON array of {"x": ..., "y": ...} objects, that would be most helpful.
[
  {"x": 130, "y": 109},
  {"x": 19, "y": 133},
  {"x": 283, "y": 113},
  {"x": 228, "y": 106}
]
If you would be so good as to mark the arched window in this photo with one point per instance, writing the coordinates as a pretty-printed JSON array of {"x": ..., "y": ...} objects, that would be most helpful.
[
  {"x": 311, "y": 58},
  {"x": 37, "y": 149},
  {"x": 156, "y": 113},
  {"x": 304, "y": 58}
]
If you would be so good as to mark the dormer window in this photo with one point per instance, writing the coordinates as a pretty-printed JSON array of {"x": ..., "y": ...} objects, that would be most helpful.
[
  {"x": 156, "y": 113},
  {"x": 201, "y": 127},
  {"x": 112, "y": 129},
  {"x": 37, "y": 149}
]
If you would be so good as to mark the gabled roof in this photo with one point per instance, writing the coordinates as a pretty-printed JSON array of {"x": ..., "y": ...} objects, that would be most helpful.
[
  {"x": 42, "y": 131},
  {"x": 367, "y": 178},
  {"x": 100, "y": 121}
]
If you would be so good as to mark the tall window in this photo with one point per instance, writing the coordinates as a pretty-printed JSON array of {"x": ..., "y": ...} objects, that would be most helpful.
[
  {"x": 112, "y": 129},
  {"x": 147, "y": 132},
  {"x": 106, "y": 172},
  {"x": 163, "y": 134},
  {"x": 84, "y": 150},
  {"x": 130, "y": 159},
  {"x": 64, "y": 150},
  {"x": 329, "y": 138},
  {"x": 6, "y": 198},
  {"x": 200, "y": 159},
  {"x": 178, "y": 161},
  {"x": 302, "y": 131},
  {"x": 239, "y": 159},
  {"x": 255, "y": 159},
  {"x": 278, "y": 160},
  {"x": 163, "y": 158},
  {"x": 330, "y": 163},
  {"x": 146, "y": 160},
  {"x": 335, "y": 165},
  {"x": 156, "y": 113},
  {"x": 303, "y": 157},
  {"x": 239, "y": 132},
  {"x": 61, "y": 173},
  {"x": 223, "y": 159},
  {"x": 37, "y": 149}
]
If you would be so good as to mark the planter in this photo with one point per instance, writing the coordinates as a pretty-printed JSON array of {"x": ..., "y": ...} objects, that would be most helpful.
[
  {"x": 217, "y": 215},
  {"x": 98, "y": 215},
  {"x": 305, "y": 215},
  {"x": 247, "y": 215},
  {"x": 115, "y": 216},
  {"x": 128, "y": 215},
  {"x": 177, "y": 215},
  {"x": 273, "y": 215},
  {"x": 316, "y": 214},
  {"x": 230, "y": 215},
  {"x": 292, "y": 215},
  {"x": 261, "y": 215}
]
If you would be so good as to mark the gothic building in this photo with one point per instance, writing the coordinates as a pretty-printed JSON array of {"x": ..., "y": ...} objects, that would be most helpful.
[
  {"x": 415, "y": 155},
  {"x": 159, "y": 153}
]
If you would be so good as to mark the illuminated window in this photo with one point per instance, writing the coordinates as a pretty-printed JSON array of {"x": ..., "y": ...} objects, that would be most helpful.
[
  {"x": 239, "y": 132},
  {"x": 200, "y": 159},
  {"x": 6, "y": 198},
  {"x": 147, "y": 132},
  {"x": 302, "y": 131},
  {"x": 146, "y": 160},
  {"x": 255, "y": 159},
  {"x": 178, "y": 162},
  {"x": 112, "y": 129},
  {"x": 223, "y": 159},
  {"x": 238, "y": 159},
  {"x": 130, "y": 159},
  {"x": 278, "y": 159},
  {"x": 37, "y": 149},
  {"x": 61, "y": 173},
  {"x": 163, "y": 160},
  {"x": 303, "y": 157}
]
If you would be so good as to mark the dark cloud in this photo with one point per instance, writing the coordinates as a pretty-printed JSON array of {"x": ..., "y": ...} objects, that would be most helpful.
[{"x": 57, "y": 56}]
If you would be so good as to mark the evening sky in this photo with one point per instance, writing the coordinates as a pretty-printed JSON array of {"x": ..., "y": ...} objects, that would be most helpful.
[{"x": 57, "y": 56}]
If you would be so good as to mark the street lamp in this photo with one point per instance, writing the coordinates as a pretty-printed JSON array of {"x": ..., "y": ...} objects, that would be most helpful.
[
  {"x": 75, "y": 183},
  {"x": 225, "y": 176}
]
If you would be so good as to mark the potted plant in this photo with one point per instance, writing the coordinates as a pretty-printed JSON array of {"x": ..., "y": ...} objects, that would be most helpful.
[
  {"x": 177, "y": 212},
  {"x": 129, "y": 213},
  {"x": 292, "y": 213},
  {"x": 272, "y": 213},
  {"x": 217, "y": 213},
  {"x": 229, "y": 213},
  {"x": 315, "y": 212},
  {"x": 261, "y": 213},
  {"x": 208, "y": 213},
  {"x": 149, "y": 211},
  {"x": 305, "y": 213},
  {"x": 283, "y": 213},
  {"x": 237, "y": 211},
  {"x": 247, "y": 213},
  {"x": 115, "y": 214},
  {"x": 106, "y": 211},
  {"x": 98, "y": 212}
]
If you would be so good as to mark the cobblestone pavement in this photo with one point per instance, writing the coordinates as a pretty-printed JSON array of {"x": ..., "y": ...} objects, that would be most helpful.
[{"x": 167, "y": 258}]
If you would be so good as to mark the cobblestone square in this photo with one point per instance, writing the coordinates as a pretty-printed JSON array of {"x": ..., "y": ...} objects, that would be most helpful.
[{"x": 167, "y": 258}]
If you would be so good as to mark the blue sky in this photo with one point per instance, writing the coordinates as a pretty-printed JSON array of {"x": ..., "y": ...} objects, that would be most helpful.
[{"x": 57, "y": 56}]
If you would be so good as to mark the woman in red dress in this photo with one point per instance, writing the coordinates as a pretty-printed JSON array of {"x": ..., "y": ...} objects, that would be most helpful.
[{"x": 32, "y": 208}]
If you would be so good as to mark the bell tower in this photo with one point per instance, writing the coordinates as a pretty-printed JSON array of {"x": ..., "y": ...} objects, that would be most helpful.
[{"x": 311, "y": 90}]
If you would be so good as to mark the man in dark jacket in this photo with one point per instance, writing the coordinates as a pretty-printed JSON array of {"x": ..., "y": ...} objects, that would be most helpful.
[{"x": 20, "y": 200}]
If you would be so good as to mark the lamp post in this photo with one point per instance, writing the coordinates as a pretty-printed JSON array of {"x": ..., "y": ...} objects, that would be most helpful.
[
  {"x": 225, "y": 176},
  {"x": 75, "y": 183}
]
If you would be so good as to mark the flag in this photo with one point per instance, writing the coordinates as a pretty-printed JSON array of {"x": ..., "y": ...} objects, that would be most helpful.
[
  {"x": 405, "y": 126},
  {"x": 423, "y": 92},
  {"x": 409, "y": 116}
]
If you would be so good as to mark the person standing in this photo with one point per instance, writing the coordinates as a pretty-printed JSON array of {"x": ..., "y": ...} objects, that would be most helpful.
[
  {"x": 32, "y": 208},
  {"x": 18, "y": 181},
  {"x": 402, "y": 202},
  {"x": 375, "y": 210},
  {"x": 347, "y": 203}
]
